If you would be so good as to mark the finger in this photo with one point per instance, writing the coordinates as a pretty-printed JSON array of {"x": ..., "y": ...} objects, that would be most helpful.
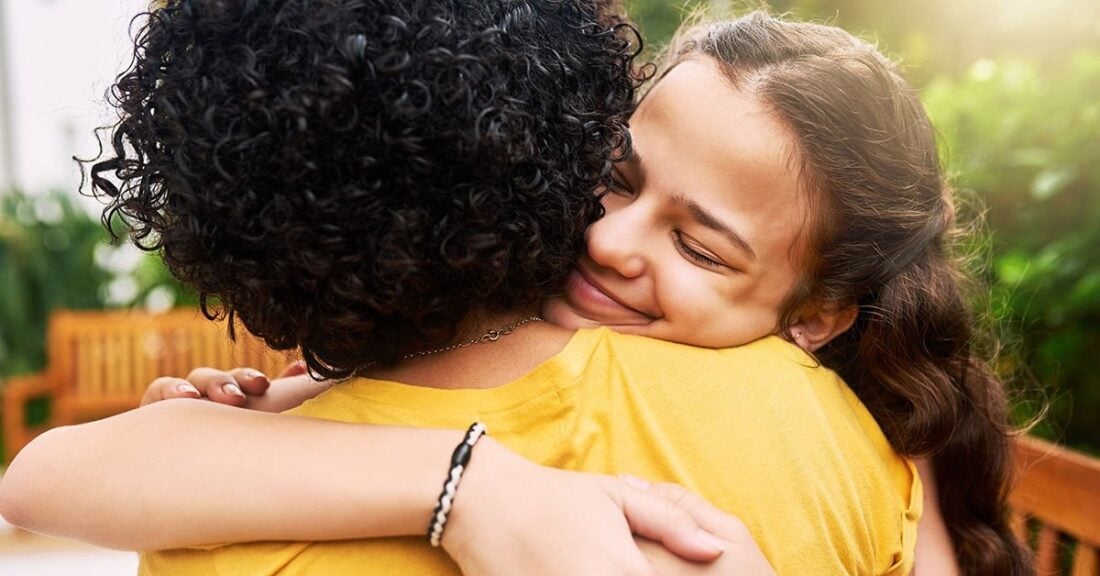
[
  {"x": 296, "y": 368},
  {"x": 664, "y": 562},
  {"x": 218, "y": 385},
  {"x": 738, "y": 541},
  {"x": 663, "y": 521},
  {"x": 252, "y": 381},
  {"x": 166, "y": 388},
  {"x": 709, "y": 516}
]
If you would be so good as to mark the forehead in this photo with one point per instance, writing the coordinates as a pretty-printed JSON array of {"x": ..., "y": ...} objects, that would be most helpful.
[
  {"x": 698, "y": 135},
  {"x": 696, "y": 101}
]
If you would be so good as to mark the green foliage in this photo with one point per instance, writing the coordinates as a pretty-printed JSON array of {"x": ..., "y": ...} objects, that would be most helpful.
[
  {"x": 54, "y": 254},
  {"x": 1027, "y": 142},
  {"x": 47, "y": 260},
  {"x": 930, "y": 37},
  {"x": 658, "y": 19}
]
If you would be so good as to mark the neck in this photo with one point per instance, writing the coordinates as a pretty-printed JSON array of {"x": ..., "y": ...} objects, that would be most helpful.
[
  {"x": 486, "y": 364},
  {"x": 479, "y": 322}
]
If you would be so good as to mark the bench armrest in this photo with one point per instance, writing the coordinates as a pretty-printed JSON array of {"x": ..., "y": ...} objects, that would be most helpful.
[{"x": 17, "y": 391}]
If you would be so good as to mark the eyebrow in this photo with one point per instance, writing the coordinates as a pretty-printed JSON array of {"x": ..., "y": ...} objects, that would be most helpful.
[
  {"x": 704, "y": 218},
  {"x": 699, "y": 214}
]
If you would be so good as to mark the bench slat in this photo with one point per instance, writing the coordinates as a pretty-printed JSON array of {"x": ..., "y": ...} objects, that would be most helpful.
[
  {"x": 1085, "y": 561},
  {"x": 1059, "y": 487},
  {"x": 100, "y": 362}
]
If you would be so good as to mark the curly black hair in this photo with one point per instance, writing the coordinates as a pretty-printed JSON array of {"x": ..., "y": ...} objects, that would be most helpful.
[{"x": 353, "y": 177}]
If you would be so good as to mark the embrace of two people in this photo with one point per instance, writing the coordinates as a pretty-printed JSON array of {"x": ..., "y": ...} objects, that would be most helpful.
[{"x": 740, "y": 287}]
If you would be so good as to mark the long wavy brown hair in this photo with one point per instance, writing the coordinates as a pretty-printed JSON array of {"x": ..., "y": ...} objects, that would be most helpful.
[{"x": 881, "y": 238}]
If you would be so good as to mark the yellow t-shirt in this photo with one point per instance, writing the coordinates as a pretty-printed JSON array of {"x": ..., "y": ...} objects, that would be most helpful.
[{"x": 761, "y": 431}]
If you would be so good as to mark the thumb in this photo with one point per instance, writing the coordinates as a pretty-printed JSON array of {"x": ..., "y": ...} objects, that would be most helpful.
[{"x": 663, "y": 521}]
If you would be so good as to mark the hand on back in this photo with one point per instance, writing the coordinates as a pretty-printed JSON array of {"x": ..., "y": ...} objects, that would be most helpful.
[
  {"x": 241, "y": 387},
  {"x": 741, "y": 556},
  {"x": 515, "y": 517}
]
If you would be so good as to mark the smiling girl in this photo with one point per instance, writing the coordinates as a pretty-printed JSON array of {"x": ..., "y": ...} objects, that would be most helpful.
[
  {"x": 702, "y": 239},
  {"x": 783, "y": 179}
]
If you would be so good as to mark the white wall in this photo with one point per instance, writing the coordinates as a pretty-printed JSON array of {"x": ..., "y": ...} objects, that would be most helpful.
[{"x": 61, "y": 56}]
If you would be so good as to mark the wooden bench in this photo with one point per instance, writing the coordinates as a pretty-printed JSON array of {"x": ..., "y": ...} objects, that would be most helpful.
[
  {"x": 99, "y": 363},
  {"x": 1056, "y": 504}
]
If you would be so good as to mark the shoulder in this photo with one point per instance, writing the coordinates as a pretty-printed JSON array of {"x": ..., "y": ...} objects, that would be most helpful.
[
  {"x": 768, "y": 392},
  {"x": 768, "y": 383},
  {"x": 767, "y": 352},
  {"x": 771, "y": 364},
  {"x": 798, "y": 439}
]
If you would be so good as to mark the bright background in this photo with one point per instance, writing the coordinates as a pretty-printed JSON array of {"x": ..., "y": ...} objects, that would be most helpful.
[{"x": 1013, "y": 86}]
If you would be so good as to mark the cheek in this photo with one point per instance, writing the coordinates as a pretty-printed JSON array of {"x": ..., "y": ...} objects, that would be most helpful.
[
  {"x": 778, "y": 288},
  {"x": 733, "y": 326},
  {"x": 696, "y": 307},
  {"x": 721, "y": 315}
]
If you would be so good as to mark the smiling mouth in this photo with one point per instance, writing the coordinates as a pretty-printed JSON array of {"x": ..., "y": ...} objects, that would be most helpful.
[{"x": 596, "y": 303}]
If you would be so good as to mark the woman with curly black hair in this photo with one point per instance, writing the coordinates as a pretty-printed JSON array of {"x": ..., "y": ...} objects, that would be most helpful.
[
  {"x": 248, "y": 120},
  {"x": 353, "y": 178}
]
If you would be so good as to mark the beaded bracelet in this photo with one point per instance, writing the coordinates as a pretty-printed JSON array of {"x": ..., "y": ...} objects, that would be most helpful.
[{"x": 459, "y": 460}]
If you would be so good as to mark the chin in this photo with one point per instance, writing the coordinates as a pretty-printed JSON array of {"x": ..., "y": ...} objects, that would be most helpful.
[
  {"x": 641, "y": 330},
  {"x": 559, "y": 314}
]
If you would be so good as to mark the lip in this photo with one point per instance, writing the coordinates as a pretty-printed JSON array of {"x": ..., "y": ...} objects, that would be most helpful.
[{"x": 590, "y": 298}]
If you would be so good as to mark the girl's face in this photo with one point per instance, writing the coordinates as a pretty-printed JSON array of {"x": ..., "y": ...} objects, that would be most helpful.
[{"x": 702, "y": 239}]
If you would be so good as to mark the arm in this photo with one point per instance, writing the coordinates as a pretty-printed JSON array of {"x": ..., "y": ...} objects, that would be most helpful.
[
  {"x": 935, "y": 553},
  {"x": 112, "y": 483}
]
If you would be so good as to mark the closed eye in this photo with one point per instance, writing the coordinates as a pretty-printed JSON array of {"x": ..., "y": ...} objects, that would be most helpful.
[{"x": 693, "y": 254}]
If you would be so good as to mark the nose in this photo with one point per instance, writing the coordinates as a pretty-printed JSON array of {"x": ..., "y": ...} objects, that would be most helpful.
[{"x": 616, "y": 241}]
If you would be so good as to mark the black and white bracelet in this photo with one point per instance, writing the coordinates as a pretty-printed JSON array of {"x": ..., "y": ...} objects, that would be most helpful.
[{"x": 460, "y": 459}]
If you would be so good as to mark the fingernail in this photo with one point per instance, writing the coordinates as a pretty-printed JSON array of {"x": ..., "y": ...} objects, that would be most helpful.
[
  {"x": 255, "y": 374},
  {"x": 710, "y": 540},
  {"x": 187, "y": 389},
  {"x": 232, "y": 389},
  {"x": 635, "y": 481}
]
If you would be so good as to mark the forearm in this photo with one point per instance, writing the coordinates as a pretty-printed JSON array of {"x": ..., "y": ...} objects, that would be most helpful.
[
  {"x": 184, "y": 472},
  {"x": 934, "y": 554}
]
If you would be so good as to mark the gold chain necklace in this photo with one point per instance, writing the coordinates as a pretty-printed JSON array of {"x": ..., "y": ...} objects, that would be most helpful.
[{"x": 490, "y": 336}]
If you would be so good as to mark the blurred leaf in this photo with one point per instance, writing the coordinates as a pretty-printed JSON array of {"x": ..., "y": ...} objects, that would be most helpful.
[
  {"x": 1030, "y": 157},
  {"x": 1051, "y": 181},
  {"x": 1086, "y": 292},
  {"x": 1013, "y": 268}
]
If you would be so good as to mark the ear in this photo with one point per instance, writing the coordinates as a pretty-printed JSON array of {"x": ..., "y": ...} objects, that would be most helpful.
[{"x": 819, "y": 322}]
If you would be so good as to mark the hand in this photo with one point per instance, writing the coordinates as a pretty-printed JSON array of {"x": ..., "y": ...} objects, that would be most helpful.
[
  {"x": 241, "y": 387},
  {"x": 511, "y": 516},
  {"x": 742, "y": 557}
]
